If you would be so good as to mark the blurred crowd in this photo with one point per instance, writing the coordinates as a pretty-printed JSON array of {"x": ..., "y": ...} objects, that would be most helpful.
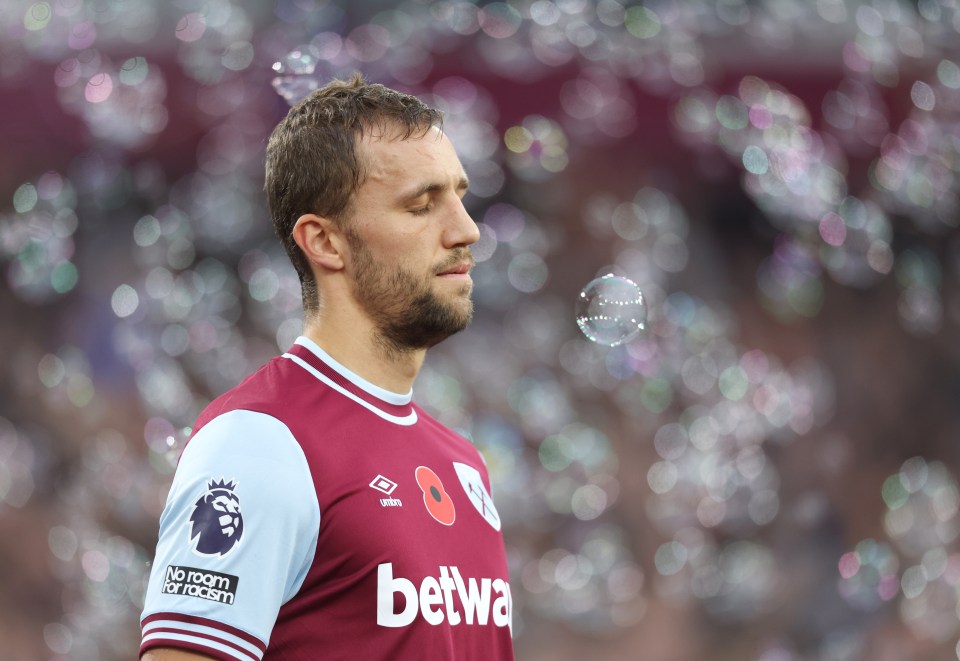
[{"x": 766, "y": 472}]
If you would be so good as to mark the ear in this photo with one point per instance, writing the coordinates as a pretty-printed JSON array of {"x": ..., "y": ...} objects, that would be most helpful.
[{"x": 320, "y": 240}]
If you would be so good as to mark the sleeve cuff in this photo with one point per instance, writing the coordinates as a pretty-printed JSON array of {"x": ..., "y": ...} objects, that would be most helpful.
[{"x": 200, "y": 634}]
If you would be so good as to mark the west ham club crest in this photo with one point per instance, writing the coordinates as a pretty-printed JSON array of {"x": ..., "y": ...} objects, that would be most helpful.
[{"x": 472, "y": 483}]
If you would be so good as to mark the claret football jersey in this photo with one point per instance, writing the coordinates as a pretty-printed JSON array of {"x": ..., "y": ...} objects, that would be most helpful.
[{"x": 316, "y": 516}]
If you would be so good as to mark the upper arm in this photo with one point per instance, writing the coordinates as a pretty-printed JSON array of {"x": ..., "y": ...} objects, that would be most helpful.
[{"x": 237, "y": 537}]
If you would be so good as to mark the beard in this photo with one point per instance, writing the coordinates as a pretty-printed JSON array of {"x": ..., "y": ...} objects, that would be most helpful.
[{"x": 406, "y": 312}]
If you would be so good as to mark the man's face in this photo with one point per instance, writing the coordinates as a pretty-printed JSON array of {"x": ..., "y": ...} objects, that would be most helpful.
[{"x": 409, "y": 238}]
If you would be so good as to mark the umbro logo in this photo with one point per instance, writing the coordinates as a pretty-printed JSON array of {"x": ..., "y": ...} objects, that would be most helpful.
[
  {"x": 386, "y": 486},
  {"x": 381, "y": 483}
]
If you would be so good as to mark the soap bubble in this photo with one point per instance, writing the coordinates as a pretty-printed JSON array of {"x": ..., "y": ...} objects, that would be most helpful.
[{"x": 611, "y": 310}]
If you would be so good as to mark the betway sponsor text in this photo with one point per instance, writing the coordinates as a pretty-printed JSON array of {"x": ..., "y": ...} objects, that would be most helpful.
[{"x": 447, "y": 596}]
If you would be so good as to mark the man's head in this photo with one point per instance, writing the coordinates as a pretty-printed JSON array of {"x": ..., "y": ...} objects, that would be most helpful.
[
  {"x": 313, "y": 164},
  {"x": 366, "y": 194}
]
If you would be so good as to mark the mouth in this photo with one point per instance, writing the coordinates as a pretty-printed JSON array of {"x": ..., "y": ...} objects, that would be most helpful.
[{"x": 462, "y": 268}]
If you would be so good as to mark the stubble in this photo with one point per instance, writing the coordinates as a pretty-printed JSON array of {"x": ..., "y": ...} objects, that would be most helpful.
[{"x": 406, "y": 312}]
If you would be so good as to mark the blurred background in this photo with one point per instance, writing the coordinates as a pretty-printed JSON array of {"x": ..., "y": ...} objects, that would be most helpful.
[{"x": 766, "y": 472}]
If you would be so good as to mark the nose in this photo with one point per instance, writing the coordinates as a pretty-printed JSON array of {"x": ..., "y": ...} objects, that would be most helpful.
[{"x": 461, "y": 230}]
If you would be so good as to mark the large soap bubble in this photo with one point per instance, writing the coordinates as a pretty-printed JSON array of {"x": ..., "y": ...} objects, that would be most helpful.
[{"x": 611, "y": 310}]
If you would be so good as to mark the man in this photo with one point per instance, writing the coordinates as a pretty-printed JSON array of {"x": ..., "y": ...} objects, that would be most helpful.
[{"x": 317, "y": 512}]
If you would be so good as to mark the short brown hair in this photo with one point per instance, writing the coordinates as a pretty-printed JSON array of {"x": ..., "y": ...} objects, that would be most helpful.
[{"x": 312, "y": 160}]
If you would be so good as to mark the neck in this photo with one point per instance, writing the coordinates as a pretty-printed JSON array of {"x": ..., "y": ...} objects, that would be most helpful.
[{"x": 365, "y": 352}]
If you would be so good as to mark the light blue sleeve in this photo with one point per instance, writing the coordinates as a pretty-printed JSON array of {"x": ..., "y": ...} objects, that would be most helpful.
[{"x": 237, "y": 537}]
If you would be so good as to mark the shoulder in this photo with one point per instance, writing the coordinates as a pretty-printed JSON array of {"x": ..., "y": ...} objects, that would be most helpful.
[
  {"x": 249, "y": 449},
  {"x": 269, "y": 390},
  {"x": 241, "y": 438}
]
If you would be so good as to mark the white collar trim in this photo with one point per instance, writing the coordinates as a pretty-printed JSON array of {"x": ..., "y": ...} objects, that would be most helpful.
[{"x": 372, "y": 389}]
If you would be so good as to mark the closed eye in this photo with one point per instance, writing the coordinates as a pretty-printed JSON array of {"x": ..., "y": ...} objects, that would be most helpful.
[{"x": 422, "y": 211}]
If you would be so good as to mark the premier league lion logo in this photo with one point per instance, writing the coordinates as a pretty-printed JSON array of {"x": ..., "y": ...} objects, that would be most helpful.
[{"x": 216, "y": 522}]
